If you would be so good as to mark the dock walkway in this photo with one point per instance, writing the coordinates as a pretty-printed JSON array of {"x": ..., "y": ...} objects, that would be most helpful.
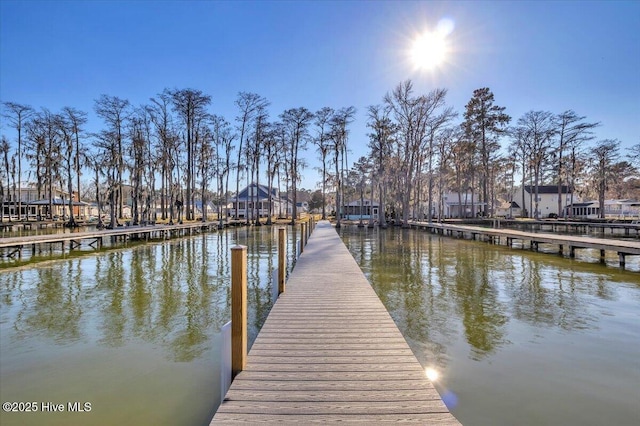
[
  {"x": 12, "y": 246},
  {"x": 330, "y": 352},
  {"x": 622, "y": 247}
]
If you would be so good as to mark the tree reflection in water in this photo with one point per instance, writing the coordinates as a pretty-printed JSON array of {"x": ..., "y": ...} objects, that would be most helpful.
[
  {"x": 527, "y": 326},
  {"x": 130, "y": 327}
]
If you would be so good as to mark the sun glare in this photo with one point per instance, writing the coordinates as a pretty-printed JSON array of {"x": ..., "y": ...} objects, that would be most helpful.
[
  {"x": 430, "y": 49},
  {"x": 431, "y": 373}
]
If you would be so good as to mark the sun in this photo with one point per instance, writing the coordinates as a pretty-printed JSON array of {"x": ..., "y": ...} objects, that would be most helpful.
[{"x": 429, "y": 50}]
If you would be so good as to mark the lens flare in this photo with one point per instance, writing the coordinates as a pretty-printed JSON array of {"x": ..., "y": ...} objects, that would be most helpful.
[{"x": 431, "y": 373}]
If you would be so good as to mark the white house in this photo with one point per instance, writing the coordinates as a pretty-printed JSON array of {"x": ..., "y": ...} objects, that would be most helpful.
[
  {"x": 622, "y": 208},
  {"x": 612, "y": 208},
  {"x": 365, "y": 209},
  {"x": 583, "y": 210},
  {"x": 547, "y": 200},
  {"x": 460, "y": 205}
]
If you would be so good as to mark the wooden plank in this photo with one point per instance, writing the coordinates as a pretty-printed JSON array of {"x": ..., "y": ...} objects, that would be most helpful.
[
  {"x": 330, "y": 341},
  {"x": 332, "y": 395},
  {"x": 407, "y": 357},
  {"x": 274, "y": 344},
  {"x": 350, "y": 368},
  {"x": 330, "y": 375},
  {"x": 440, "y": 419},
  {"x": 379, "y": 406},
  {"x": 321, "y": 353},
  {"x": 390, "y": 386}
]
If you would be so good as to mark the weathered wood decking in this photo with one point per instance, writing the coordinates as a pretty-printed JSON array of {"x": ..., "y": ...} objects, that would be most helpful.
[
  {"x": 330, "y": 352},
  {"x": 572, "y": 242},
  {"x": 14, "y": 245}
]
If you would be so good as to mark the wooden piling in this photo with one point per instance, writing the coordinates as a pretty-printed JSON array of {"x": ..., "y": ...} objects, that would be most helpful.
[
  {"x": 238, "y": 309},
  {"x": 282, "y": 256}
]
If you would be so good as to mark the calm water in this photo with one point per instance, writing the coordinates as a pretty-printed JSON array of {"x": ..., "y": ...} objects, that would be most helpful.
[
  {"x": 518, "y": 338},
  {"x": 134, "y": 331}
]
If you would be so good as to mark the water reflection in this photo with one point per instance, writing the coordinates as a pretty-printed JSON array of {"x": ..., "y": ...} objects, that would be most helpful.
[
  {"x": 160, "y": 305},
  {"x": 521, "y": 324}
]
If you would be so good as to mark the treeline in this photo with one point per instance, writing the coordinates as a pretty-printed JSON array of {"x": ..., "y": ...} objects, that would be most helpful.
[
  {"x": 420, "y": 150},
  {"x": 174, "y": 151}
]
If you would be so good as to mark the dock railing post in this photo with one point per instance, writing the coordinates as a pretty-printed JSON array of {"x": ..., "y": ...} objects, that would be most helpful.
[
  {"x": 238, "y": 309},
  {"x": 282, "y": 256},
  {"x": 302, "y": 236}
]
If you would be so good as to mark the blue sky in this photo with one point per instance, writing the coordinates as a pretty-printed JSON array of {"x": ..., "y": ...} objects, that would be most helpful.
[{"x": 543, "y": 55}]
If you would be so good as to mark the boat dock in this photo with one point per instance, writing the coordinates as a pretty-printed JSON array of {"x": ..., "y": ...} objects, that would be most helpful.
[
  {"x": 572, "y": 242},
  {"x": 13, "y": 246},
  {"x": 330, "y": 352}
]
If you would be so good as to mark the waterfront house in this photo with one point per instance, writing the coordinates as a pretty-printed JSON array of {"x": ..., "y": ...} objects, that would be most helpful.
[
  {"x": 34, "y": 207},
  {"x": 547, "y": 200},
  {"x": 624, "y": 208},
  {"x": 612, "y": 209},
  {"x": 583, "y": 210},
  {"x": 365, "y": 209},
  {"x": 258, "y": 197},
  {"x": 508, "y": 210},
  {"x": 462, "y": 205}
]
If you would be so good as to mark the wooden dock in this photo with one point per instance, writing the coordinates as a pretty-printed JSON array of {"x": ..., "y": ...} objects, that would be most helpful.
[
  {"x": 330, "y": 352},
  {"x": 13, "y": 246},
  {"x": 571, "y": 242}
]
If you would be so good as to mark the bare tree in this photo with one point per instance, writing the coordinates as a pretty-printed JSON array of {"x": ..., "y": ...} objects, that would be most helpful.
[
  {"x": 206, "y": 161},
  {"x": 412, "y": 115},
  {"x": 297, "y": 121},
  {"x": 6, "y": 171},
  {"x": 108, "y": 144},
  {"x": 538, "y": 129},
  {"x": 572, "y": 132},
  {"x": 247, "y": 103},
  {"x": 166, "y": 145},
  {"x": 36, "y": 142},
  {"x": 436, "y": 130},
  {"x": 445, "y": 142},
  {"x": 71, "y": 122},
  {"x": 606, "y": 152},
  {"x": 51, "y": 153},
  {"x": 634, "y": 156},
  {"x": 361, "y": 173},
  {"x": 67, "y": 156},
  {"x": 271, "y": 151},
  {"x": 223, "y": 141},
  {"x": 260, "y": 137},
  {"x": 381, "y": 140},
  {"x": 339, "y": 135},
  {"x": 114, "y": 111},
  {"x": 138, "y": 161},
  {"x": 18, "y": 114},
  {"x": 322, "y": 141},
  {"x": 190, "y": 105},
  {"x": 462, "y": 158}
]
